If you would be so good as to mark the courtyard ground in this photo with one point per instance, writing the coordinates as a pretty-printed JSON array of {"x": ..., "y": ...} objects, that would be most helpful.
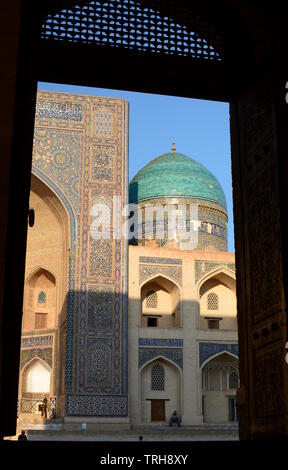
[{"x": 159, "y": 432}]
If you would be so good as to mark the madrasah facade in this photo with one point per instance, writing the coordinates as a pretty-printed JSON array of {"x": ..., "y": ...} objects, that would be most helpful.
[{"x": 122, "y": 331}]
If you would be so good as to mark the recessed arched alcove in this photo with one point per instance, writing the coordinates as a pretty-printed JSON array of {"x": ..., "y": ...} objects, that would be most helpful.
[
  {"x": 160, "y": 303},
  {"x": 220, "y": 380},
  {"x": 160, "y": 390},
  {"x": 45, "y": 293},
  {"x": 38, "y": 378},
  {"x": 40, "y": 301},
  {"x": 35, "y": 383},
  {"x": 46, "y": 260},
  {"x": 217, "y": 301}
]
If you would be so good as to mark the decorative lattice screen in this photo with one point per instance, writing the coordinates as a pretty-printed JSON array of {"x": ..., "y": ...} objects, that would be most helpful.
[
  {"x": 157, "y": 378},
  {"x": 212, "y": 301},
  {"x": 151, "y": 299},
  {"x": 42, "y": 297},
  {"x": 132, "y": 25}
]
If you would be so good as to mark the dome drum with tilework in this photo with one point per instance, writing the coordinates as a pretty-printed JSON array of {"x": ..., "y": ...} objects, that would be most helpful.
[{"x": 174, "y": 178}]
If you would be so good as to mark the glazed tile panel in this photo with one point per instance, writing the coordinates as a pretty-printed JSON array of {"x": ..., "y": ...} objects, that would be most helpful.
[
  {"x": 175, "y": 175},
  {"x": 80, "y": 152}
]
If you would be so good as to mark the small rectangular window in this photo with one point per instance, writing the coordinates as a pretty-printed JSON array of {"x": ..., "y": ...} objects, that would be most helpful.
[
  {"x": 213, "y": 324},
  {"x": 152, "y": 321}
]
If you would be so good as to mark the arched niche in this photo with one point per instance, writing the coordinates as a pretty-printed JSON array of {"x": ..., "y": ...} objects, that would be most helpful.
[
  {"x": 36, "y": 379},
  {"x": 160, "y": 390},
  {"x": 160, "y": 303},
  {"x": 217, "y": 301},
  {"x": 47, "y": 255},
  {"x": 39, "y": 301},
  {"x": 220, "y": 381},
  {"x": 49, "y": 243}
]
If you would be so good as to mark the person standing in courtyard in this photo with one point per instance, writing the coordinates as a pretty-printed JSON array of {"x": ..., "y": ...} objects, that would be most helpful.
[
  {"x": 44, "y": 408},
  {"x": 22, "y": 436}
]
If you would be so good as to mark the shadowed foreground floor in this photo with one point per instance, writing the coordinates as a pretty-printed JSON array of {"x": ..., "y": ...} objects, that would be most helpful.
[{"x": 149, "y": 433}]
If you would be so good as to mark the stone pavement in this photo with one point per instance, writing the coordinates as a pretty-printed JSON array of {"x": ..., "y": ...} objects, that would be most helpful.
[{"x": 205, "y": 432}]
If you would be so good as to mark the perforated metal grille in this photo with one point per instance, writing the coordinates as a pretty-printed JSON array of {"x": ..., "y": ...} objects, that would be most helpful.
[
  {"x": 130, "y": 24},
  {"x": 151, "y": 299},
  {"x": 157, "y": 378},
  {"x": 212, "y": 301}
]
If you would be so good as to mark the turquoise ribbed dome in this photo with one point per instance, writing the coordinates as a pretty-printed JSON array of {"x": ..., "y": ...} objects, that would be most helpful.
[{"x": 175, "y": 175}]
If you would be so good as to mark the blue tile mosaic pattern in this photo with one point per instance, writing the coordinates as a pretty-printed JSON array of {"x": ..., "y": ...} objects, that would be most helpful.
[
  {"x": 34, "y": 341},
  {"x": 207, "y": 350},
  {"x": 160, "y": 342},
  {"x": 173, "y": 354},
  {"x": 156, "y": 260},
  {"x": 175, "y": 175},
  {"x": 70, "y": 151},
  {"x": 97, "y": 405}
]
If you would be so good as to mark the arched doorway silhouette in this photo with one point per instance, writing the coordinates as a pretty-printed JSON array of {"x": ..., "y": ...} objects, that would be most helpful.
[{"x": 259, "y": 173}]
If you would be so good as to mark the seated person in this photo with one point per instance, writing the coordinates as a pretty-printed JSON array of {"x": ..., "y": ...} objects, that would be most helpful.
[{"x": 174, "y": 419}]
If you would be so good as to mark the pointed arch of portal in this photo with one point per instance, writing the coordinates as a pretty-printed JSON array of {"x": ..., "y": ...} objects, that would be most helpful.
[{"x": 47, "y": 278}]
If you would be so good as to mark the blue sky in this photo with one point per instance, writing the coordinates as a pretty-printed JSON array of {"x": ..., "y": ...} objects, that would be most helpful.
[{"x": 199, "y": 128}]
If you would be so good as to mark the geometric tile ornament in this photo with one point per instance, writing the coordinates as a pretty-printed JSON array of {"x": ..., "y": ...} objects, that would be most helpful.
[
  {"x": 52, "y": 407},
  {"x": 100, "y": 309},
  {"x": 173, "y": 354},
  {"x": 42, "y": 353},
  {"x": 168, "y": 266},
  {"x": 204, "y": 267},
  {"x": 157, "y": 260},
  {"x": 80, "y": 152},
  {"x": 102, "y": 162},
  {"x": 99, "y": 370},
  {"x": 34, "y": 341},
  {"x": 129, "y": 24},
  {"x": 94, "y": 405},
  {"x": 207, "y": 350},
  {"x": 161, "y": 342},
  {"x": 57, "y": 154},
  {"x": 150, "y": 348}
]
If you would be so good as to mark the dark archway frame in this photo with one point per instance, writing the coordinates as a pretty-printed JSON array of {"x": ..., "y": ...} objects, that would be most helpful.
[{"x": 245, "y": 61}]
